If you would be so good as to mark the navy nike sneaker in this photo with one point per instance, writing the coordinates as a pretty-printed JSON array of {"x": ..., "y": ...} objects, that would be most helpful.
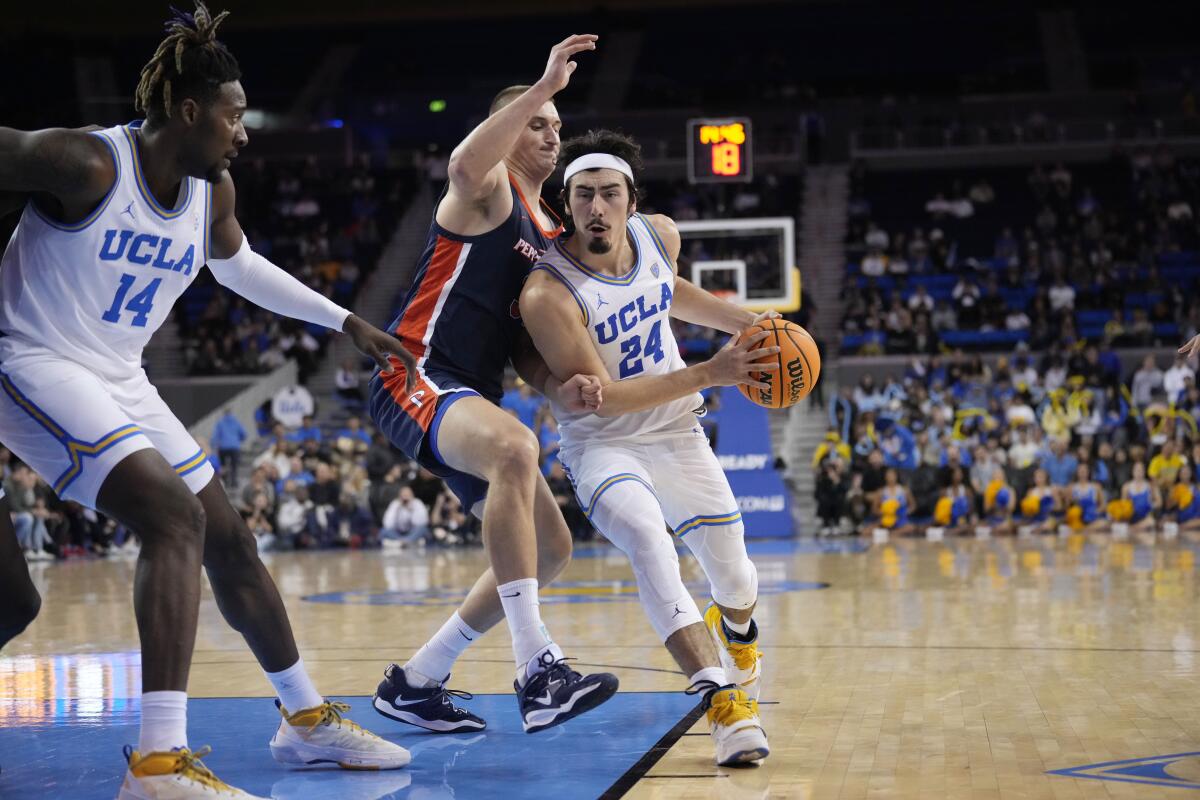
[
  {"x": 557, "y": 693},
  {"x": 431, "y": 708}
]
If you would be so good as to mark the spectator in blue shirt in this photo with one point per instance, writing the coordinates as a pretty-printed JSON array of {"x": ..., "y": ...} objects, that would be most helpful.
[
  {"x": 937, "y": 373},
  {"x": 957, "y": 454},
  {"x": 1100, "y": 470},
  {"x": 522, "y": 402},
  {"x": 297, "y": 475},
  {"x": 353, "y": 438},
  {"x": 1110, "y": 363},
  {"x": 1058, "y": 463},
  {"x": 227, "y": 438},
  {"x": 262, "y": 419},
  {"x": 307, "y": 432},
  {"x": 894, "y": 391},
  {"x": 549, "y": 440},
  {"x": 899, "y": 448},
  {"x": 867, "y": 396}
]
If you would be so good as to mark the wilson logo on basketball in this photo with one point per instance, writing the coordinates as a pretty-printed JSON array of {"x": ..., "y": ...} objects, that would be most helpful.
[
  {"x": 794, "y": 370},
  {"x": 796, "y": 391}
]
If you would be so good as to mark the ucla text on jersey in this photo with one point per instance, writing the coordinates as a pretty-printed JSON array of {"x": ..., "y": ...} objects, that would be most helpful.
[{"x": 146, "y": 249}]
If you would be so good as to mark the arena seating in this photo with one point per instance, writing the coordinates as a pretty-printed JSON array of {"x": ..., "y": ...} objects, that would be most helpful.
[{"x": 1005, "y": 235}]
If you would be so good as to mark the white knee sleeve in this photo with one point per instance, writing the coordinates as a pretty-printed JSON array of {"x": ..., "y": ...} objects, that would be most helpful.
[
  {"x": 630, "y": 518},
  {"x": 721, "y": 551}
]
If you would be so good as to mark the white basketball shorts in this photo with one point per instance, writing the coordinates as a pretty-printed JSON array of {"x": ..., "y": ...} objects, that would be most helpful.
[
  {"x": 679, "y": 469},
  {"x": 72, "y": 426}
]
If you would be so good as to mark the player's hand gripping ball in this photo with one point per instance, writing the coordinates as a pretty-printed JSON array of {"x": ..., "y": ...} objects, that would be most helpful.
[{"x": 798, "y": 364}]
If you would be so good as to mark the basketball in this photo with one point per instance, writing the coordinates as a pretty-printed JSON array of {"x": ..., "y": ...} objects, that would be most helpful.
[{"x": 798, "y": 365}]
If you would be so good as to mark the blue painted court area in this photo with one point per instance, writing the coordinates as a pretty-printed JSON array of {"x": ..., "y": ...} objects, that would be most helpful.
[{"x": 71, "y": 750}]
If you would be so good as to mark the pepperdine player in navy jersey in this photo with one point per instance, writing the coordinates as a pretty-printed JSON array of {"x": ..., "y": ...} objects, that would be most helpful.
[
  {"x": 461, "y": 321},
  {"x": 117, "y": 223}
]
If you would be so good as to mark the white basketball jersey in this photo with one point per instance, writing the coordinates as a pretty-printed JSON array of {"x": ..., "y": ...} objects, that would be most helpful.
[
  {"x": 628, "y": 318},
  {"x": 96, "y": 290}
]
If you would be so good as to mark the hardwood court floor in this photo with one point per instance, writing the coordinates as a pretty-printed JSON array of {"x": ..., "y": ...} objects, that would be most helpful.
[{"x": 965, "y": 669}]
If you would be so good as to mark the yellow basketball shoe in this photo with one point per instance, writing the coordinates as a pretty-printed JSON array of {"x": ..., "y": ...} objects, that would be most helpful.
[
  {"x": 174, "y": 775},
  {"x": 321, "y": 735},
  {"x": 742, "y": 660},
  {"x": 735, "y": 727}
]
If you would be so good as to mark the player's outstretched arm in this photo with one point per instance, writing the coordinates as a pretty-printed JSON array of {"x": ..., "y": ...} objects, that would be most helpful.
[
  {"x": 476, "y": 169},
  {"x": 72, "y": 166},
  {"x": 1192, "y": 347},
  {"x": 693, "y": 304},
  {"x": 554, "y": 324},
  {"x": 247, "y": 273}
]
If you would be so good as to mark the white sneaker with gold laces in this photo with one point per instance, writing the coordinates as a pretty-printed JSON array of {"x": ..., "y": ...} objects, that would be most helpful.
[
  {"x": 174, "y": 775},
  {"x": 321, "y": 735},
  {"x": 735, "y": 726}
]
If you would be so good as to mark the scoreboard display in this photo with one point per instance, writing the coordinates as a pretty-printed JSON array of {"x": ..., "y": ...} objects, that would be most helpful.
[{"x": 719, "y": 151}]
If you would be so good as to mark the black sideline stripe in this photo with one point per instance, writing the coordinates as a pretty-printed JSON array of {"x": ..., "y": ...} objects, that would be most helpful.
[{"x": 652, "y": 756}]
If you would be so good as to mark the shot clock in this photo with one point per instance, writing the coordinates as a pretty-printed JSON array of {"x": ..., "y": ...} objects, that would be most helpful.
[{"x": 719, "y": 151}]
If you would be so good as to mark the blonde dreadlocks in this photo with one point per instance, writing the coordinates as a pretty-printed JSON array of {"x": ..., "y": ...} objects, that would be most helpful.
[{"x": 188, "y": 62}]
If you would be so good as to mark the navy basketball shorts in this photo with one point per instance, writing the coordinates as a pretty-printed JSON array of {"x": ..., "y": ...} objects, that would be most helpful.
[{"x": 410, "y": 421}]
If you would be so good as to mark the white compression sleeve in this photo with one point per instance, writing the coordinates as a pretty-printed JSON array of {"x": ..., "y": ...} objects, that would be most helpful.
[{"x": 266, "y": 285}]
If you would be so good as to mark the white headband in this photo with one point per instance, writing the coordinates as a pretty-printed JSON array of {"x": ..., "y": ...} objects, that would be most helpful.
[{"x": 598, "y": 161}]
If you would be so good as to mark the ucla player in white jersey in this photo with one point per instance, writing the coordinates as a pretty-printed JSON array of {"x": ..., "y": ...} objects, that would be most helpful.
[
  {"x": 117, "y": 224},
  {"x": 600, "y": 303}
]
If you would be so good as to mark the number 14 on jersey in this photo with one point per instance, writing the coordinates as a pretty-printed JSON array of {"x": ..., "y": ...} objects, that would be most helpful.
[{"x": 141, "y": 304}]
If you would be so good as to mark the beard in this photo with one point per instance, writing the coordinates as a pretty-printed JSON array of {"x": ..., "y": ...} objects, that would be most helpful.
[
  {"x": 599, "y": 245},
  {"x": 215, "y": 173}
]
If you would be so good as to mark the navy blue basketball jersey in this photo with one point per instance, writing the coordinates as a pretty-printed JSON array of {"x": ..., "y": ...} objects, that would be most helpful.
[{"x": 461, "y": 315}]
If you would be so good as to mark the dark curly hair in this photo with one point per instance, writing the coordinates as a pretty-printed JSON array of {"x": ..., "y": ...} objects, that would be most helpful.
[
  {"x": 189, "y": 62},
  {"x": 614, "y": 143}
]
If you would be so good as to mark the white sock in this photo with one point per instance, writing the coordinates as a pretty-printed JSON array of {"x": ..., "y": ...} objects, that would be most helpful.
[
  {"x": 295, "y": 688},
  {"x": 529, "y": 635},
  {"x": 714, "y": 674},
  {"x": 740, "y": 628},
  {"x": 164, "y": 722},
  {"x": 433, "y": 662},
  {"x": 534, "y": 664}
]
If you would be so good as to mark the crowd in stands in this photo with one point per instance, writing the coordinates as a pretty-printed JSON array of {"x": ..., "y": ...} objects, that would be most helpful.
[
  {"x": 987, "y": 258},
  {"x": 326, "y": 225},
  {"x": 770, "y": 195},
  {"x": 309, "y": 487},
  {"x": 46, "y": 526},
  {"x": 1063, "y": 438}
]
